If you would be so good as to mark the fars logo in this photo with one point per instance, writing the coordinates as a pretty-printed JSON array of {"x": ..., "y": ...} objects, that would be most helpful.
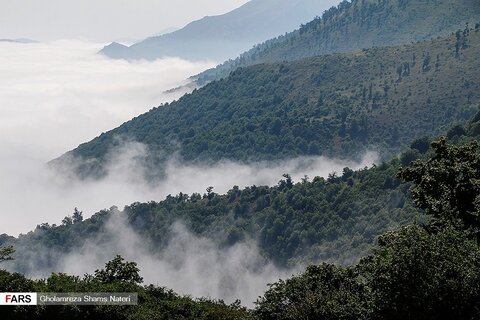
[{"x": 18, "y": 298}]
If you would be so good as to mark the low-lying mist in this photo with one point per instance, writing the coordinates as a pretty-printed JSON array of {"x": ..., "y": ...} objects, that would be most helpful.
[
  {"x": 49, "y": 196},
  {"x": 54, "y": 96},
  {"x": 189, "y": 264}
]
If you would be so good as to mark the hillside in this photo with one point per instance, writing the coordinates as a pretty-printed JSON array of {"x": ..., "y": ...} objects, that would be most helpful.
[
  {"x": 337, "y": 105},
  {"x": 356, "y": 25},
  {"x": 224, "y": 36},
  {"x": 435, "y": 262}
]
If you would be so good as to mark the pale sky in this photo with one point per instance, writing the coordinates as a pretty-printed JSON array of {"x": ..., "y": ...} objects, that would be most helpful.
[{"x": 102, "y": 20}]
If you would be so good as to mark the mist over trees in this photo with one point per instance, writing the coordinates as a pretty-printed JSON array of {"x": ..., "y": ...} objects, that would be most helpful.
[{"x": 307, "y": 107}]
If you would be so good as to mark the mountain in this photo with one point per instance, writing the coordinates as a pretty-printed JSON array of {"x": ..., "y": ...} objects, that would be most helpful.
[
  {"x": 356, "y": 25},
  {"x": 224, "y": 36},
  {"x": 22, "y": 40},
  {"x": 337, "y": 105}
]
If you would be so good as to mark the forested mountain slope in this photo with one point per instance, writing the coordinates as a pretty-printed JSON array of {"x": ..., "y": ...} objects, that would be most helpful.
[
  {"x": 336, "y": 105},
  {"x": 356, "y": 25},
  {"x": 436, "y": 263},
  {"x": 225, "y": 36},
  {"x": 336, "y": 219}
]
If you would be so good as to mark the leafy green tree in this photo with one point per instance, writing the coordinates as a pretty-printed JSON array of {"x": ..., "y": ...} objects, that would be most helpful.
[
  {"x": 6, "y": 253},
  {"x": 322, "y": 292},
  {"x": 416, "y": 274},
  {"x": 447, "y": 186},
  {"x": 421, "y": 144},
  {"x": 119, "y": 270},
  {"x": 409, "y": 156},
  {"x": 77, "y": 216}
]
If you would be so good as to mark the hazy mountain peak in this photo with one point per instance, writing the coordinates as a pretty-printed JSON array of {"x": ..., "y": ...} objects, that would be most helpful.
[{"x": 224, "y": 36}]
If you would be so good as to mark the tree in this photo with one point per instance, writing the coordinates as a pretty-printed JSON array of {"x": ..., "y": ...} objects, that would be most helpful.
[
  {"x": 77, "y": 216},
  {"x": 322, "y": 292},
  {"x": 456, "y": 131},
  {"x": 409, "y": 156},
  {"x": 119, "y": 270},
  {"x": 6, "y": 253},
  {"x": 447, "y": 186},
  {"x": 210, "y": 193},
  {"x": 417, "y": 274},
  {"x": 67, "y": 221}
]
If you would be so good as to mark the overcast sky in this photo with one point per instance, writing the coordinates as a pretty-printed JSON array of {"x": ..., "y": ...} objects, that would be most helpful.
[{"x": 102, "y": 20}]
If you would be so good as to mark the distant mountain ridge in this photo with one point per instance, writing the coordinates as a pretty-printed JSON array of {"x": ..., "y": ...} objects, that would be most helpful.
[
  {"x": 356, "y": 25},
  {"x": 21, "y": 40},
  {"x": 224, "y": 36}
]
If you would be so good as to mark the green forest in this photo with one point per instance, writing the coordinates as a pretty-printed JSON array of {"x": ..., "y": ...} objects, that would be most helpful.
[{"x": 336, "y": 105}]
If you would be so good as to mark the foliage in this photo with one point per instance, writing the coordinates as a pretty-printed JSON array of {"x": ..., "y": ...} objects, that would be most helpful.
[
  {"x": 447, "y": 186},
  {"x": 154, "y": 302},
  {"x": 335, "y": 219},
  {"x": 416, "y": 272},
  {"x": 322, "y": 292},
  {"x": 6, "y": 253},
  {"x": 429, "y": 271},
  {"x": 118, "y": 270}
]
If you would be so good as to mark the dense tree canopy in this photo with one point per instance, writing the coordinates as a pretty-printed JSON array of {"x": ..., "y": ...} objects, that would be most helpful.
[
  {"x": 447, "y": 186},
  {"x": 416, "y": 272},
  {"x": 154, "y": 302}
]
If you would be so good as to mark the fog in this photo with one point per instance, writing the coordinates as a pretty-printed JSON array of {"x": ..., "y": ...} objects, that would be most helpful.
[
  {"x": 189, "y": 264},
  {"x": 56, "y": 95}
]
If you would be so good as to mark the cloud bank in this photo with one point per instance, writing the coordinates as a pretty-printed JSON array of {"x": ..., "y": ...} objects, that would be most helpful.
[{"x": 54, "y": 96}]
